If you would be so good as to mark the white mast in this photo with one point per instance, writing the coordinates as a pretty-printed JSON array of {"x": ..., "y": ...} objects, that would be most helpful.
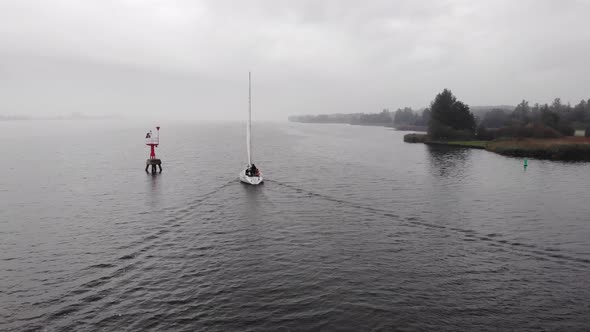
[{"x": 248, "y": 129}]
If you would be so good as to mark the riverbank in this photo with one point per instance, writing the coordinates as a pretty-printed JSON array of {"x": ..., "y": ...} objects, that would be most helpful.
[
  {"x": 410, "y": 128},
  {"x": 464, "y": 144},
  {"x": 565, "y": 148}
]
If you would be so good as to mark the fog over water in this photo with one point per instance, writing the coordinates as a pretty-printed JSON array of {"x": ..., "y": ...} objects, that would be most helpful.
[{"x": 189, "y": 59}]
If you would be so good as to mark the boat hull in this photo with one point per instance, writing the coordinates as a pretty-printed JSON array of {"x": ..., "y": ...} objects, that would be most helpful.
[{"x": 252, "y": 180}]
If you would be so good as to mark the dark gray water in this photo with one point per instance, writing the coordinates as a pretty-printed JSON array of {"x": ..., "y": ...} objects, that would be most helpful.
[{"x": 353, "y": 230}]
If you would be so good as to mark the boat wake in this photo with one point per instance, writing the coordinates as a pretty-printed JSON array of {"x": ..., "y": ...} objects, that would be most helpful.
[{"x": 468, "y": 234}]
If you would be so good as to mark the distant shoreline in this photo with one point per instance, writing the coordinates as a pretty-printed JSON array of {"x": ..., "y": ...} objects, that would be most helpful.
[
  {"x": 398, "y": 128},
  {"x": 56, "y": 118},
  {"x": 14, "y": 118},
  {"x": 558, "y": 149}
]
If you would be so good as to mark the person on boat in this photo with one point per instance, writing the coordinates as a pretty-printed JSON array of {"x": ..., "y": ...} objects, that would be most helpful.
[{"x": 254, "y": 171}]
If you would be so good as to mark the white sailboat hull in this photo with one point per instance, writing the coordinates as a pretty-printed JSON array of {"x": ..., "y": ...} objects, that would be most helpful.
[{"x": 253, "y": 180}]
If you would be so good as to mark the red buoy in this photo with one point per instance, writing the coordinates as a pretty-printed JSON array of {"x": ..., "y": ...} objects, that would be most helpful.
[{"x": 153, "y": 141}]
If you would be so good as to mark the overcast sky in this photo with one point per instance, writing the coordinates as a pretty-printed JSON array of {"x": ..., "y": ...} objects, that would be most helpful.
[{"x": 190, "y": 59}]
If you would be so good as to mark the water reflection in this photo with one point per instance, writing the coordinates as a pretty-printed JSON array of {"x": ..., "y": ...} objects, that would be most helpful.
[
  {"x": 253, "y": 196},
  {"x": 254, "y": 228},
  {"x": 153, "y": 189},
  {"x": 446, "y": 161},
  {"x": 448, "y": 167}
]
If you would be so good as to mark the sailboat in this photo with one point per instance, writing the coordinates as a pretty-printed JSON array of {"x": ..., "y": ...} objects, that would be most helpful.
[{"x": 250, "y": 175}]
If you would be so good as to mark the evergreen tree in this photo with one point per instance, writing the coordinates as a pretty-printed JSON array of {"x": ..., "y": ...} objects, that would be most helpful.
[
  {"x": 450, "y": 118},
  {"x": 522, "y": 112}
]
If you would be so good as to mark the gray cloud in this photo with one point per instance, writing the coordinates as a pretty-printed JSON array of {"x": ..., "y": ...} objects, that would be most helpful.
[{"x": 190, "y": 58}]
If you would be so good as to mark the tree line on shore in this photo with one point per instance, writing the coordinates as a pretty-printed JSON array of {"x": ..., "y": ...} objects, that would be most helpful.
[
  {"x": 449, "y": 118},
  {"x": 559, "y": 117},
  {"x": 402, "y": 118},
  {"x": 384, "y": 118},
  {"x": 452, "y": 119}
]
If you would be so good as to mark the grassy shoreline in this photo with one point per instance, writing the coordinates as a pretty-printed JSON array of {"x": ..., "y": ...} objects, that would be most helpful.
[
  {"x": 463, "y": 144},
  {"x": 565, "y": 148}
]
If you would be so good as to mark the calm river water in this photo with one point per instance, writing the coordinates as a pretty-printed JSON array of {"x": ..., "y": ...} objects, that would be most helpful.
[{"x": 354, "y": 230}]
